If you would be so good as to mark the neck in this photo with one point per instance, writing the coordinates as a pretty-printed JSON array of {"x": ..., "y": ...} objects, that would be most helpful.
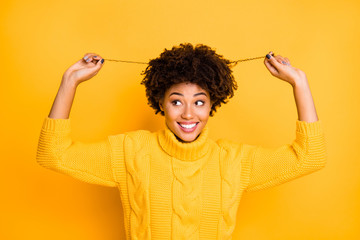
[{"x": 186, "y": 151}]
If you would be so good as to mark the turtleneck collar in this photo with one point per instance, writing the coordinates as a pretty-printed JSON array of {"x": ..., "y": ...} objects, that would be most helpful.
[{"x": 184, "y": 151}]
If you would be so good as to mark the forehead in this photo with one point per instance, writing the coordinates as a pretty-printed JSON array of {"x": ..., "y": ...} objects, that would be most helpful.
[{"x": 185, "y": 88}]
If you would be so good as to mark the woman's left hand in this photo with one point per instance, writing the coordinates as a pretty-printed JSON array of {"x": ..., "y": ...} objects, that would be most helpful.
[{"x": 281, "y": 68}]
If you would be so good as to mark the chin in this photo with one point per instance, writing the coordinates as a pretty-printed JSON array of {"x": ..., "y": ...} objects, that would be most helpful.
[{"x": 187, "y": 137}]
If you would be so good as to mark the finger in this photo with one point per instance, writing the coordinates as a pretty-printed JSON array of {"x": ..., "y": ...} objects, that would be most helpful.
[
  {"x": 274, "y": 62},
  {"x": 86, "y": 56},
  {"x": 280, "y": 59},
  {"x": 99, "y": 64},
  {"x": 271, "y": 68},
  {"x": 283, "y": 60},
  {"x": 89, "y": 57},
  {"x": 288, "y": 61},
  {"x": 97, "y": 57}
]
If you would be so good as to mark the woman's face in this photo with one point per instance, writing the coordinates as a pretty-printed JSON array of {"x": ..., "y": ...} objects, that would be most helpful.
[{"x": 187, "y": 108}]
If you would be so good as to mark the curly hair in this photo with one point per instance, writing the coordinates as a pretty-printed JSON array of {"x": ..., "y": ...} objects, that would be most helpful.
[{"x": 186, "y": 63}]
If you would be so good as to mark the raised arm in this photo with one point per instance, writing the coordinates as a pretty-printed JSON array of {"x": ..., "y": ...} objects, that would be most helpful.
[
  {"x": 281, "y": 68},
  {"x": 82, "y": 70},
  {"x": 307, "y": 153},
  {"x": 88, "y": 162}
]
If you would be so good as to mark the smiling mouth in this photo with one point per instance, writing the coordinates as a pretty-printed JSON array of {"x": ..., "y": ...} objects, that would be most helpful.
[{"x": 188, "y": 127}]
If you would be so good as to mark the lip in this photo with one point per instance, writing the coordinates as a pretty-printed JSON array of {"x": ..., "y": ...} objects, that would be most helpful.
[{"x": 188, "y": 130}]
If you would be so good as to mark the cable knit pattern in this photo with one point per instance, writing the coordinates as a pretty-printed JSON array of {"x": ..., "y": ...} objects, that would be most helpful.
[
  {"x": 135, "y": 189},
  {"x": 232, "y": 184},
  {"x": 175, "y": 190},
  {"x": 138, "y": 167},
  {"x": 186, "y": 199}
]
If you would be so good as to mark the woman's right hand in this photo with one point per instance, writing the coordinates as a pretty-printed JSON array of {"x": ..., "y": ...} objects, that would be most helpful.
[{"x": 84, "y": 69}]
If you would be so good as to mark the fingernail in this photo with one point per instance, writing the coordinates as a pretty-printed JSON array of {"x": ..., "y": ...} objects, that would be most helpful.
[
  {"x": 102, "y": 61},
  {"x": 268, "y": 56},
  {"x": 85, "y": 58},
  {"x": 95, "y": 56},
  {"x": 283, "y": 62},
  {"x": 88, "y": 60}
]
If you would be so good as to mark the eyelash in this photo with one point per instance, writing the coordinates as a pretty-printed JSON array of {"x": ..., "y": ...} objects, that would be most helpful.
[
  {"x": 202, "y": 102},
  {"x": 176, "y": 101}
]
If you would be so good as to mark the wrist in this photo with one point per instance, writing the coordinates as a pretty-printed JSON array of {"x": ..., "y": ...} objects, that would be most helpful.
[
  {"x": 68, "y": 83},
  {"x": 300, "y": 83}
]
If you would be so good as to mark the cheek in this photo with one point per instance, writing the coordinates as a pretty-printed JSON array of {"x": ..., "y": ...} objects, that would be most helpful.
[
  {"x": 204, "y": 114},
  {"x": 171, "y": 113}
]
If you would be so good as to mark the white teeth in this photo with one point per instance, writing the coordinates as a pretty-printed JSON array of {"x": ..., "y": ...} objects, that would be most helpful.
[{"x": 188, "y": 126}]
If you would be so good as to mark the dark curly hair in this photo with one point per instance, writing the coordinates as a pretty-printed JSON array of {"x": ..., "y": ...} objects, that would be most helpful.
[{"x": 186, "y": 63}]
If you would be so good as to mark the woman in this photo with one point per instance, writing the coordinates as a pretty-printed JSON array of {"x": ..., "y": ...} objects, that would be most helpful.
[{"x": 177, "y": 183}]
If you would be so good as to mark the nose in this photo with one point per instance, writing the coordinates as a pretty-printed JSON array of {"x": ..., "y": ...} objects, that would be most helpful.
[{"x": 187, "y": 112}]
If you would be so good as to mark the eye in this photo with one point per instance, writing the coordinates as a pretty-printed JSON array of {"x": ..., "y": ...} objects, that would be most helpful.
[
  {"x": 176, "y": 102},
  {"x": 199, "y": 103}
]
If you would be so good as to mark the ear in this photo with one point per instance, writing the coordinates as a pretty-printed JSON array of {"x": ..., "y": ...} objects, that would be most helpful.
[
  {"x": 211, "y": 113},
  {"x": 161, "y": 106}
]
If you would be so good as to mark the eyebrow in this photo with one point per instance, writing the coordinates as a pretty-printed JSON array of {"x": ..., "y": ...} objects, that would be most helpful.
[{"x": 196, "y": 94}]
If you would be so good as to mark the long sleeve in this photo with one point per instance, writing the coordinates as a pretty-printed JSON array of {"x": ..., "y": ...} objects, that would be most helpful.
[
  {"x": 88, "y": 162},
  {"x": 274, "y": 166}
]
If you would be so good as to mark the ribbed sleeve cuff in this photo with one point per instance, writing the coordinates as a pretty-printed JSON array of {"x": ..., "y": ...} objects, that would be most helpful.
[
  {"x": 51, "y": 124},
  {"x": 309, "y": 128}
]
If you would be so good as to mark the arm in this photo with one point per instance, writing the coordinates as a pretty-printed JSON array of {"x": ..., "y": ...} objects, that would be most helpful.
[
  {"x": 273, "y": 166},
  {"x": 270, "y": 167},
  {"x": 280, "y": 67},
  {"x": 304, "y": 101},
  {"x": 79, "y": 72},
  {"x": 89, "y": 162}
]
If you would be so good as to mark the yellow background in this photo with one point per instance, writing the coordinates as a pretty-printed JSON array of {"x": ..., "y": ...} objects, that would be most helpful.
[{"x": 41, "y": 39}]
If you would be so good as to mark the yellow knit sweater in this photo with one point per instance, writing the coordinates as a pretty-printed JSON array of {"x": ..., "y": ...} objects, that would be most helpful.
[{"x": 174, "y": 190}]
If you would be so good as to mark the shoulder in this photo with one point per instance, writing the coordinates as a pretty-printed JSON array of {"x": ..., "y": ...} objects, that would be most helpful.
[
  {"x": 228, "y": 144},
  {"x": 139, "y": 134},
  {"x": 235, "y": 148},
  {"x": 134, "y": 139}
]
